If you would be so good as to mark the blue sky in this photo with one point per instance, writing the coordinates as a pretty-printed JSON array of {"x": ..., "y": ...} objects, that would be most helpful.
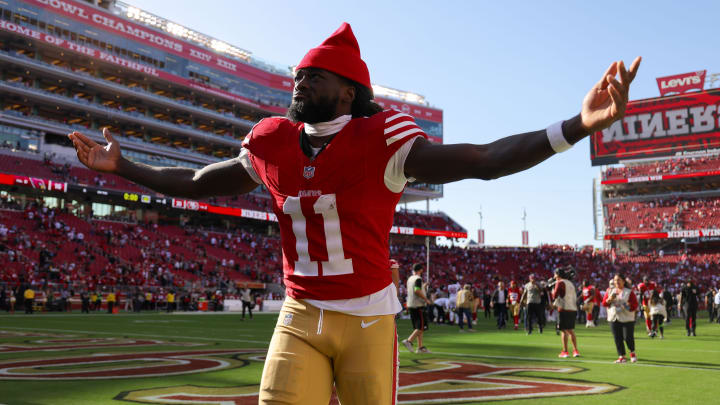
[{"x": 496, "y": 69}]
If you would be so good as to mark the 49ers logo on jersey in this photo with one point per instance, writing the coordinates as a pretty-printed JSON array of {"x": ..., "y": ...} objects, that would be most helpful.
[{"x": 428, "y": 381}]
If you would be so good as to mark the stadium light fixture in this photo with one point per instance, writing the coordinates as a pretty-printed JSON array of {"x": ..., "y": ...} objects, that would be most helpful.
[
  {"x": 406, "y": 96},
  {"x": 180, "y": 31}
]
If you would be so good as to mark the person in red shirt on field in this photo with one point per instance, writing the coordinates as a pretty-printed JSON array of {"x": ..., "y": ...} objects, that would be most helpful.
[
  {"x": 589, "y": 297},
  {"x": 336, "y": 167},
  {"x": 514, "y": 293},
  {"x": 646, "y": 289}
]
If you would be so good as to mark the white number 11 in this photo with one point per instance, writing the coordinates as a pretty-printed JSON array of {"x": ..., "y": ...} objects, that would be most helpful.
[{"x": 337, "y": 264}]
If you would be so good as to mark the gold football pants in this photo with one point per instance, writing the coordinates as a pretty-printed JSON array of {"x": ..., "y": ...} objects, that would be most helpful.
[
  {"x": 311, "y": 349},
  {"x": 514, "y": 309}
]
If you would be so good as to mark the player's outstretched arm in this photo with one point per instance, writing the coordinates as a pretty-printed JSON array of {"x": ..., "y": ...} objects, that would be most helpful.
[
  {"x": 603, "y": 104},
  {"x": 228, "y": 177}
]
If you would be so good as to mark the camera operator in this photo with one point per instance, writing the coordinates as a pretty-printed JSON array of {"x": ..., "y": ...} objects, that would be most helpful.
[{"x": 565, "y": 301}]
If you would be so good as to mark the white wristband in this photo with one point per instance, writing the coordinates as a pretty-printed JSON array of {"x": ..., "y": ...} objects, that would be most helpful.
[{"x": 556, "y": 138}]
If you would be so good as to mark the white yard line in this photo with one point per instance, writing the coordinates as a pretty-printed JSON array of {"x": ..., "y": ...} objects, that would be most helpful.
[
  {"x": 93, "y": 332},
  {"x": 577, "y": 360}
]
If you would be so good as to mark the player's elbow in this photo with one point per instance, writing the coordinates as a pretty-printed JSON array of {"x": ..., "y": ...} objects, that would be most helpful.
[{"x": 485, "y": 166}]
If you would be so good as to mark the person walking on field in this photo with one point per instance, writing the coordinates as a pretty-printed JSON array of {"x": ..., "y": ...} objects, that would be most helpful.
[
  {"x": 498, "y": 302},
  {"x": 532, "y": 298},
  {"x": 464, "y": 304},
  {"x": 658, "y": 314},
  {"x": 689, "y": 297},
  {"x": 247, "y": 301},
  {"x": 621, "y": 303},
  {"x": 513, "y": 300},
  {"x": 416, "y": 301},
  {"x": 336, "y": 166}
]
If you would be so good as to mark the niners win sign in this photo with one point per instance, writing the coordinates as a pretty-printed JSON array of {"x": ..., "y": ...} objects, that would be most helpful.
[{"x": 680, "y": 125}]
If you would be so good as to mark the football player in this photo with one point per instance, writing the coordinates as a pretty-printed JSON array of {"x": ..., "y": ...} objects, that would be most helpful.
[
  {"x": 336, "y": 167},
  {"x": 514, "y": 293},
  {"x": 646, "y": 289}
]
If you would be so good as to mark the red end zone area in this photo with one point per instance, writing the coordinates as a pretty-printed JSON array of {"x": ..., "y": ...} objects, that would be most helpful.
[{"x": 156, "y": 370}]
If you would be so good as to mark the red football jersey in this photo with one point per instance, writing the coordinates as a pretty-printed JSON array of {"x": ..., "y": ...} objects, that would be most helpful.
[
  {"x": 335, "y": 211},
  {"x": 514, "y": 294},
  {"x": 646, "y": 290}
]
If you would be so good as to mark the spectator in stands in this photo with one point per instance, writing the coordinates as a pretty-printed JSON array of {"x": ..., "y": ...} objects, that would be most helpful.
[{"x": 621, "y": 303}]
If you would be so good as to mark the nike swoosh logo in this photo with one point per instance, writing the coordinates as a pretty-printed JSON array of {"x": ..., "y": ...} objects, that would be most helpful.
[{"x": 364, "y": 324}]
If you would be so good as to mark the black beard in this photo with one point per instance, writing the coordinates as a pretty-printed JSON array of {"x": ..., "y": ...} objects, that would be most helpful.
[{"x": 311, "y": 113}]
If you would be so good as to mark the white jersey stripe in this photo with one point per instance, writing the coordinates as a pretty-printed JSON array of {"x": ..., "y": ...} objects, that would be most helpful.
[
  {"x": 402, "y": 135},
  {"x": 396, "y": 116},
  {"x": 404, "y": 128},
  {"x": 398, "y": 126}
]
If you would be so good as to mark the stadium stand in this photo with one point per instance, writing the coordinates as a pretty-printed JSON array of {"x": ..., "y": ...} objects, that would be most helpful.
[
  {"x": 663, "y": 215},
  {"x": 669, "y": 166}
]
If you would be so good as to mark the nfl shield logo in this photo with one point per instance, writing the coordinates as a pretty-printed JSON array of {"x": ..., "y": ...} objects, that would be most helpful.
[
  {"x": 308, "y": 172},
  {"x": 288, "y": 319}
]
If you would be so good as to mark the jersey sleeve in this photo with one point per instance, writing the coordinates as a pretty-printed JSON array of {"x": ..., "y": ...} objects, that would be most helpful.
[
  {"x": 244, "y": 158},
  {"x": 258, "y": 146},
  {"x": 400, "y": 131},
  {"x": 395, "y": 179}
]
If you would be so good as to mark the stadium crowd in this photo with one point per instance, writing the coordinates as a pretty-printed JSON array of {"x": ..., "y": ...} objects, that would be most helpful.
[
  {"x": 663, "y": 215},
  {"x": 669, "y": 166},
  {"x": 55, "y": 251}
]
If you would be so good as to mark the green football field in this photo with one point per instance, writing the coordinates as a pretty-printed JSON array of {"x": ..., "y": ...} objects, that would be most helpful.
[{"x": 157, "y": 358}]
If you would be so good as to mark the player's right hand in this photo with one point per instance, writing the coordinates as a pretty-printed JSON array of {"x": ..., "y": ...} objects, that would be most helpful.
[{"x": 95, "y": 156}]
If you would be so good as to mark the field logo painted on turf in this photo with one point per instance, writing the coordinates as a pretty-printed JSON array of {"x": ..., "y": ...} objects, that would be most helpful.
[
  {"x": 123, "y": 365},
  {"x": 429, "y": 381}
]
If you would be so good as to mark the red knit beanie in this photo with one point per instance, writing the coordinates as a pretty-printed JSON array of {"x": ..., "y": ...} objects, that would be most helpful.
[{"x": 339, "y": 54}]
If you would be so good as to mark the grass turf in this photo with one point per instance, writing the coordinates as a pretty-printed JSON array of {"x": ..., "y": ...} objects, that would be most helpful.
[{"x": 678, "y": 369}]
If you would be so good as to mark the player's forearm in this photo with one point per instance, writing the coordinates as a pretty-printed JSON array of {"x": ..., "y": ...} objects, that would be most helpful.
[
  {"x": 395, "y": 274},
  {"x": 517, "y": 153},
  {"x": 173, "y": 181},
  {"x": 439, "y": 164}
]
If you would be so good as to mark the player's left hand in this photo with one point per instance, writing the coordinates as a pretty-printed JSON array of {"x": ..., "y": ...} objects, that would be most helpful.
[{"x": 607, "y": 100}]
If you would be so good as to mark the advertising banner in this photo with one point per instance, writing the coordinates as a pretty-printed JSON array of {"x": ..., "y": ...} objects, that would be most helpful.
[
  {"x": 681, "y": 83},
  {"x": 683, "y": 125}
]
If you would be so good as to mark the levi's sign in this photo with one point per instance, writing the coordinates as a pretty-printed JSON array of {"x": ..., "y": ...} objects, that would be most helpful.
[
  {"x": 681, "y": 83},
  {"x": 665, "y": 126}
]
